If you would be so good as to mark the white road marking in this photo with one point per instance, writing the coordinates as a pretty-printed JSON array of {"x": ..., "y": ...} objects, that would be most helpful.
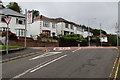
[
  {"x": 45, "y": 55},
  {"x": 42, "y": 64},
  {"x": 76, "y": 50},
  {"x": 48, "y": 63},
  {"x": 22, "y": 74},
  {"x": 62, "y": 48}
]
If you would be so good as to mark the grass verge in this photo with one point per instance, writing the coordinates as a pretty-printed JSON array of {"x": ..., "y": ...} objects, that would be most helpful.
[{"x": 3, "y": 47}]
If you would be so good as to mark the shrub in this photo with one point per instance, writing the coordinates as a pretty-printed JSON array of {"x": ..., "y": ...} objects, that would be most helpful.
[
  {"x": 55, "y": 37},
  {"x": 11, "y": 35},
  {"x": 43, "y": 35}
]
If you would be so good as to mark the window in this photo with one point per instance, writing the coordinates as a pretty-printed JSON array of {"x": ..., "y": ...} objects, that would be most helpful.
[
  {"x": 71, "y": 26},
  {"x": 2, "y": 19},
  {"x": 20, "y": 32},
  {"x": 79, "y": 29},
  {"x": 3, "y": 29},
  {"x": 45, "y": 24},
  {"x": 20, "y": 21},
  {"x": 66, "y": 25},
  {"x": 53, "y": 25}
]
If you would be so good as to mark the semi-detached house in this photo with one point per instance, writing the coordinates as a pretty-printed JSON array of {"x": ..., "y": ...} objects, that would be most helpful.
[
  {"x": 44, "y": 25},
  {"x": 17, "y": 22},
  {"x": 66, "y": 27},
  {"x": 53, "y": 26},
  {"x": 41, "y": 24}
]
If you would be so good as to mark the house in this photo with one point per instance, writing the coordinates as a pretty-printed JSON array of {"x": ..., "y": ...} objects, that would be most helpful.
[
  {"x": 66, "y": 27},
  {"x": 17, "y": 22},
  {"x": 103, "y": 38},
  {"x": 54, "y": 27},
  {"x": 44, "y": 25},
  {"x": 86, "y": 33}
]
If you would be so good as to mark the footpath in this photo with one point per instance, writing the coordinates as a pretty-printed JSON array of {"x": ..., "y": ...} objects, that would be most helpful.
[{"x": 19, "y": 54}]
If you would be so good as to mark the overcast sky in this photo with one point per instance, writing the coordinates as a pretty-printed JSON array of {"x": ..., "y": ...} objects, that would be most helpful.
[{"x": 105, "y": 13}]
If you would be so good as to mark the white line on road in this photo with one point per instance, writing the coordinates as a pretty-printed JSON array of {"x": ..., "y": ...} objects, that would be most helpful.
[
  {"x": 25, "y": 72},
  {"x": 76, "y": 50},
  {"x": 47, "y": 63},
  {"x": 45, "y": 55}
]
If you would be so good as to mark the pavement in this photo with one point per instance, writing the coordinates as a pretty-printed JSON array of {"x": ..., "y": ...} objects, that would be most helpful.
[
  {"x": 20, "y": 54},
  {"x": 74, "y": 63}
]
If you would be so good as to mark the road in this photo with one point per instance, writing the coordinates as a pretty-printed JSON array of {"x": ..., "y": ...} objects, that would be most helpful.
[{"x": 78, "y": 63}]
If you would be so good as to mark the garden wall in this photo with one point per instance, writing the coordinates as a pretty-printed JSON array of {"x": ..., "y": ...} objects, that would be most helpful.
[{"x": 33, "y": 43}]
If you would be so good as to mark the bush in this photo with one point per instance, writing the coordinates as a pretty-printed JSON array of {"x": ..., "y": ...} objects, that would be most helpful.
[
  {"x": 83, "y": 39},
  {"x": 43, "y": 35},
  {"x": 95, "y": 40},
  {"x": 72, "y": 35},
  {"x": 11, "y": 35},
  {"x": 55, "y": 37},
  {"x": 69, "y": 39}
]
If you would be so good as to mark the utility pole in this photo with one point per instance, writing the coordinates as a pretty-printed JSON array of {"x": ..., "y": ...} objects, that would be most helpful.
[
  {"x": 25, "y": 26},
  {"x": 100, "y": 33}
]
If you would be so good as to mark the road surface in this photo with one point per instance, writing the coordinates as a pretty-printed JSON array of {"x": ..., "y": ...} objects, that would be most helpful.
[{"x": 78, "y": 63}]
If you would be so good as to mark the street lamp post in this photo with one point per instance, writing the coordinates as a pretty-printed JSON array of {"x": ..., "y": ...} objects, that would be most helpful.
[
  {"x": 89, "y": 44},
  {"x": 100, "y": 33}
]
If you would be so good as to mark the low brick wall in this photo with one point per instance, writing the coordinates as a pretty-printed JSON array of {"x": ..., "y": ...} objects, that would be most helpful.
[{"x": 33, "y": 43}]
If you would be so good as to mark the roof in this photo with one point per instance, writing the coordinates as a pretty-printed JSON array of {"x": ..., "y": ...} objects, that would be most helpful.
[
  {"x": 102, "y": 35},
  {"x": 6, "y": 11},
  {"x": 41, "y": 17},
  {"x": 66, "y": 21}
]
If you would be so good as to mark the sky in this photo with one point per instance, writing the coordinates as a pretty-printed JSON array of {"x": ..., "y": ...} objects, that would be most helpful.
[{"x": 90, "y": 13}]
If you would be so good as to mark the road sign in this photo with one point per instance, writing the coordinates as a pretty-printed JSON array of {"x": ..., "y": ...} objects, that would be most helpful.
[{"x": 7, "y": 20}]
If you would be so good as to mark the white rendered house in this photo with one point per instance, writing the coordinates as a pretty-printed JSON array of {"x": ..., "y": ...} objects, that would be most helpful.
[
  {"x": 44, "y": 25},
  {"x": 103, "y": 38},
  {"x": 66, "y": 27},
  {"x": 17, "y": 22}
]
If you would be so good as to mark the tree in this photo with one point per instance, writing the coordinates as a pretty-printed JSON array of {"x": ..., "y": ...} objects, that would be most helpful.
[
  {"x": 14, "y": 6},
  {"x": 35, "y": 13},
  {"x": 113, "y": 39}
]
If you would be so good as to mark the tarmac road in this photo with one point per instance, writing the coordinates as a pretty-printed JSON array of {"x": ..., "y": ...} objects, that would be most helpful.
[{"x": 78, "y": 63}]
